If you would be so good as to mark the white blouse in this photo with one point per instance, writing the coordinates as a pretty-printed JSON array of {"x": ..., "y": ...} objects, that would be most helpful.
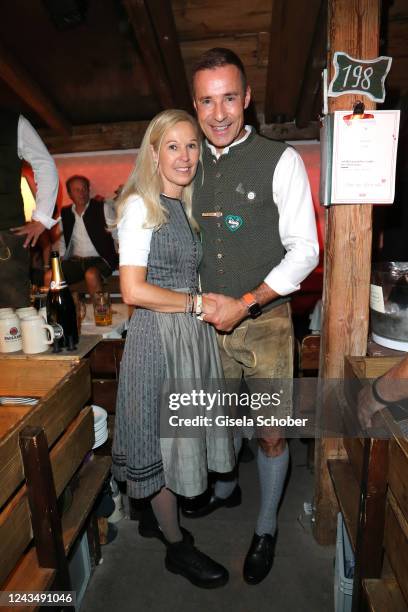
[{"x": 134, "y": 239}]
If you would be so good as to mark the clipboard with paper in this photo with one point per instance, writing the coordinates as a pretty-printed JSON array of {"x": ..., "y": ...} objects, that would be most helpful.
[{"x": 359, "y": 157}]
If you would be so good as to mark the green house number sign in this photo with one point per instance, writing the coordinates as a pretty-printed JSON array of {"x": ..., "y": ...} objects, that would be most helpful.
[{"x": 359, "y": 76}]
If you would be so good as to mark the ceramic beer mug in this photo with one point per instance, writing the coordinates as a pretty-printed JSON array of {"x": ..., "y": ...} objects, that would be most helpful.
[
  {"x": 26, "y": 310},
  {"x": 37, "y": 335},
  {"x": 10, "y": 334},
  {"x": 6, "y": 312}
]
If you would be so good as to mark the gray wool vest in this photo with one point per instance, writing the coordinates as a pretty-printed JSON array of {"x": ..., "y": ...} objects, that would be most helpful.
[{"x": 239, "y": 220}]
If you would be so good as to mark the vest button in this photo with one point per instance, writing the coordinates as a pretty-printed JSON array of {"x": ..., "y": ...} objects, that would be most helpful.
[
  {"x": 218, "y": 175},
  {"x": 218, "y": 240},
  {"x": 220, "y": 271},
  {"x": 219, "y": 256}
]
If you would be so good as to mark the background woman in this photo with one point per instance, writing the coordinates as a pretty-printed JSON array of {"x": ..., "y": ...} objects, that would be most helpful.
[{"x": 159, "y": 255}]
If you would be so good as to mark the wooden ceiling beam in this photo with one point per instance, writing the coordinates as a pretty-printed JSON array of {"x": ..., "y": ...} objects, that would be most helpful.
[
  {"x": 162, "y": 18},
  {"x": 97, "y": 137},
  {"x": 140, "y": 21},
  {"x": 292, "y": 27},
  {"x": 18, "y": 79},
  {"x": 313, "y": 70},
  {"x": 129, "y": 134}
]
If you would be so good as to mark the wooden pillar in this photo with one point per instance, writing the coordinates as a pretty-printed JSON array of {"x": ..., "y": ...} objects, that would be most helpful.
[{"x": 353, "y": 27}]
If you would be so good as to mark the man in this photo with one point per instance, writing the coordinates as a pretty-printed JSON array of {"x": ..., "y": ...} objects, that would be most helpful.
[
  {"x": 252, "y": 201},
  {"x": 86, "y": 244},
  {"x": 18, "y": 141}
]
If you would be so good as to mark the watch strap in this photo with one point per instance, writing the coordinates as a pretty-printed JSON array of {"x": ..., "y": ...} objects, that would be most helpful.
[{"x": 249, "y": 299}]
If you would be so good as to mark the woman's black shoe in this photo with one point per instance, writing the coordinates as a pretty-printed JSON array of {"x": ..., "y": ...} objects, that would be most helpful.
[
  {"x": 214, "y": 503},
  {"x": 149, "y": 528},
  {"x": 184, "y": 559}
]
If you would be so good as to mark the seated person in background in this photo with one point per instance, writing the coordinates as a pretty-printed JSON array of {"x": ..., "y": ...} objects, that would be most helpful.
[{"x": 86, "y": 243}]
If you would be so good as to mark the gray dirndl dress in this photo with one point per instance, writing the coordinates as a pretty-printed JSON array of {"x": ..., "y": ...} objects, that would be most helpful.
[{"x": 159, "y": 347}]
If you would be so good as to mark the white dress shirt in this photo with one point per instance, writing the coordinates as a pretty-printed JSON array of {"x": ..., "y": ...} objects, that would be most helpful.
[
  {"x": 31, "y": 148},
  {"x": 297, "y": 224},
  {"x": 80, "y": 244}
]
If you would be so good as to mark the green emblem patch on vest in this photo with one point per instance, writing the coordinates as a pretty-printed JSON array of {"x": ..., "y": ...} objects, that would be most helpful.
[{"x": 233, "y": 222}]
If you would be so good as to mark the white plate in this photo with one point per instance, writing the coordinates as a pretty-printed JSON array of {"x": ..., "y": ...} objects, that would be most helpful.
[
  {"x": 100, "y": 414},
  {"x": 101, "y": 441},
  {"x": 100, "y": 434}
]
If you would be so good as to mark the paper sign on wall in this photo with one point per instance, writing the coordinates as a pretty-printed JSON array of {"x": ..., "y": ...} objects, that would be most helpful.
[{"x": 359, "y": 158}]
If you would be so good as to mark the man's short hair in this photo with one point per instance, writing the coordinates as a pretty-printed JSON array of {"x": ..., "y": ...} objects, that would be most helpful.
[
  {"x": 76, "y": 177},
  {"x": 217, "y": 58}
]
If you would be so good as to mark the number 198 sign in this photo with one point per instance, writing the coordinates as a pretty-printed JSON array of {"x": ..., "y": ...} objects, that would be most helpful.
[{"x": 359, "y": 76}]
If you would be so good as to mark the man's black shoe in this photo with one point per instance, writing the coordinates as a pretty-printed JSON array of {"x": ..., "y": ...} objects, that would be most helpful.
[
  {"x": 214, "y": 503},
  {"x": 259, "y": 559},
  {"x": 184, "y": 559},
  {"x": 149, "y": 528}
]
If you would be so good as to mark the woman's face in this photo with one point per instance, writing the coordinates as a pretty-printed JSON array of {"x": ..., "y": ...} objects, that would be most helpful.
[{"x": 178, "y": 158}]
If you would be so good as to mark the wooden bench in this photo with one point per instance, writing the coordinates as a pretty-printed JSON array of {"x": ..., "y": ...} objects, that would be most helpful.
[
  {"x": 390, "y": 591},
  {"x": 41, "y": 449},
  {"x": 360, "y": 478}
]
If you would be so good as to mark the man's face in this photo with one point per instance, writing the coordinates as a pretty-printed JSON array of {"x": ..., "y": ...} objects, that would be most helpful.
[
  {"x": 220, "y": 101},
  {"x": 79, "y": 192}
]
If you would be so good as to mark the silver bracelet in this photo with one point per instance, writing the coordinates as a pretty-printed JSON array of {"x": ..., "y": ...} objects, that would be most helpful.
[{"x": 199, "y": 304}]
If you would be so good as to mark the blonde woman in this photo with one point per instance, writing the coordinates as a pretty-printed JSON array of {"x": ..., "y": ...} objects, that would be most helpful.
[{"x": 159, "y": 256}]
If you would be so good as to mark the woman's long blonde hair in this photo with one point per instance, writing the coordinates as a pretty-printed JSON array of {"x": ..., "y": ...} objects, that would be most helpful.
[{"x": 145, "y": 180}]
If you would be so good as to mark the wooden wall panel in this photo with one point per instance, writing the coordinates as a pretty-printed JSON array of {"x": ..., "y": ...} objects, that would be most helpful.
[
  {"x": 246, "y": 47},
  {"x": 197, "y": 19}
]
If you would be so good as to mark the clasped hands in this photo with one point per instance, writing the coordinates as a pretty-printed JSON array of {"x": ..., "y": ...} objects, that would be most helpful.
[{"x": 223, "y": 312}]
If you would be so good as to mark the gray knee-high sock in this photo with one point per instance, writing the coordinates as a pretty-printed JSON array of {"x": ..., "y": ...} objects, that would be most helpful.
[
  {"x": 225, "y": 486},
  {"x": 272, "y": 473}
]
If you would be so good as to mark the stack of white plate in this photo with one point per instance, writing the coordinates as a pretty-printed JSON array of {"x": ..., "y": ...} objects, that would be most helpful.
[{"x": 100, "y": 425}]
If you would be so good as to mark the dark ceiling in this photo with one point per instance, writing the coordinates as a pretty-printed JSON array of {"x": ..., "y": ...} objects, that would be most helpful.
[{"x": 119, "y": 62}]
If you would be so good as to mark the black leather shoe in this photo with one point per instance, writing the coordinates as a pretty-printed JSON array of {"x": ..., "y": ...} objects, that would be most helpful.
[
  {"x": 184, "y": 559},
  {"x": 214, "y": 503},
  {"x": 259, "y": 559},
  {"x": 149, "y": 528}
]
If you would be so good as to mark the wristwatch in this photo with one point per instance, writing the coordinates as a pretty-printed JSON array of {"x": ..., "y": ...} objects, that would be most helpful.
[{"x": 254, "y": 308}]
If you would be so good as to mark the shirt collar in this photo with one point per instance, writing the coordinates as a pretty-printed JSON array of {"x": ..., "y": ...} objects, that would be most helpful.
[
  {"x": 248, "y": 130},
  {"x": 75, "y": 210}
]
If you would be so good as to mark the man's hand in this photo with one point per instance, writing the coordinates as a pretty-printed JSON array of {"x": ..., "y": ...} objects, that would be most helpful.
[
  {"x": 32, "y": 230},
  {"x": 367, "y": 407},
  {"x": 228, "y": 314}
]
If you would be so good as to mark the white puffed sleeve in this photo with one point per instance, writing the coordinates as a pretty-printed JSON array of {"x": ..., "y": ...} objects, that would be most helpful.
[{"x": 134, "y": 239}]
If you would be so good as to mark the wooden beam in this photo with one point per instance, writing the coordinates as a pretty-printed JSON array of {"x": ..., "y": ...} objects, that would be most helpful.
[
  {"x": 291, "y": 32},
  {"x": 354, "y": 29},
  {"x": 162, "y": 20},
  {"x": 313, "y": 71},
  {"x": 97, "y": 137},
  {"x": 289, "y": 131},
  {"x": 129, "y": 134},
  {"x": 146, "y": 38},
  {"x": 18, "y": 79}
]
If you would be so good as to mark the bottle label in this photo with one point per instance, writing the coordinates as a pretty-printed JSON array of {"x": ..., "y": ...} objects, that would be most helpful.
[{"x": 54, "y": 286}]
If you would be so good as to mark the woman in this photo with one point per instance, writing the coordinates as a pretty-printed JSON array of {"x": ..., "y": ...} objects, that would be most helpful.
[{"x": 159, "y": 255}]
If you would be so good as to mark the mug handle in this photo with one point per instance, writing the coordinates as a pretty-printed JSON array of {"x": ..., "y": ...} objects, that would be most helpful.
[{"x": 50, "y": 331}]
